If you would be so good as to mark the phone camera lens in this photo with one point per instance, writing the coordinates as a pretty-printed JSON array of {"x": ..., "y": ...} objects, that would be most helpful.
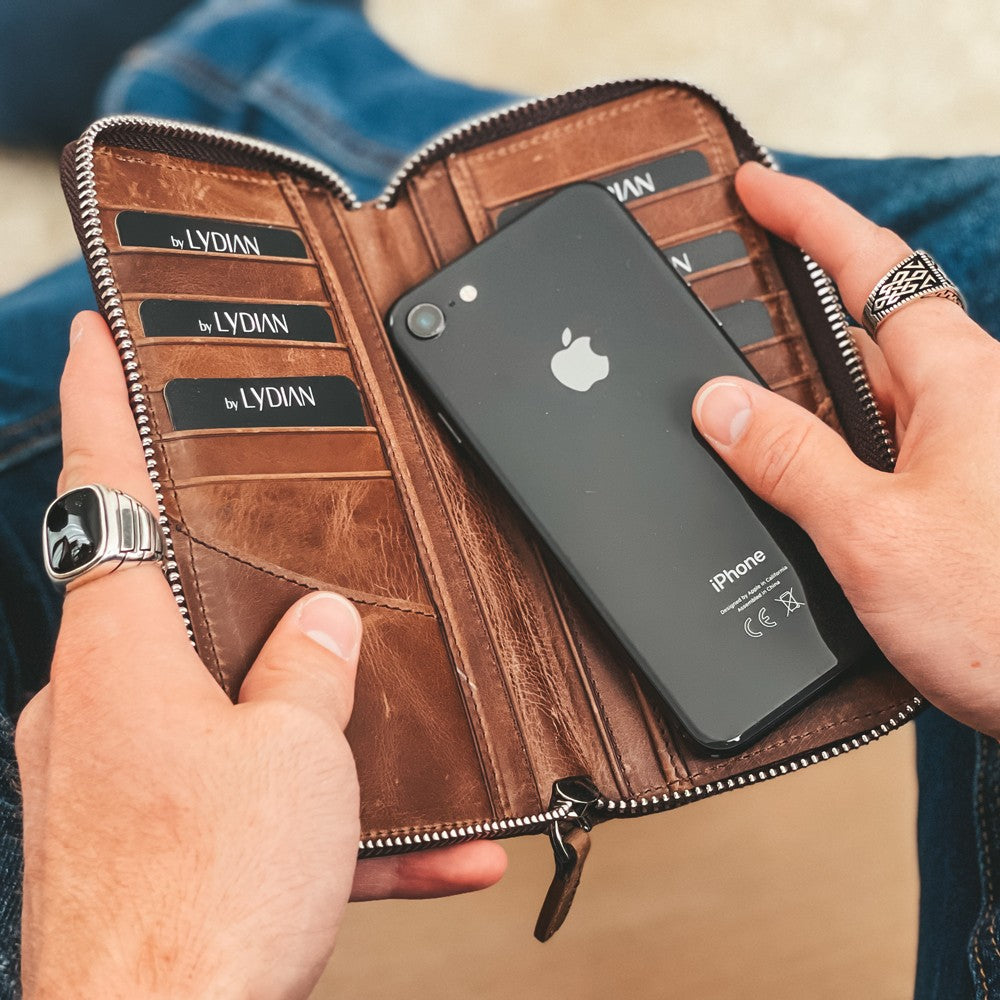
[{"x": 425, "y": 320}]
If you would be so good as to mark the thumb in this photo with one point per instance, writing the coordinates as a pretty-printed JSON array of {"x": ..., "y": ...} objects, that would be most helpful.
[
  {"x": 787, "y": 456},
  {"x": 310, "y": 658}
]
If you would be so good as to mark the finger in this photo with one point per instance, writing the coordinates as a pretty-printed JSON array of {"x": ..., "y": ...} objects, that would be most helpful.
[
  {"x": 31, "y": 738},
  {"x": 100, "y": 440},
  {"x": 310, "y": 659},
  {"x": 133, "y": 608},
  {"x": 445, "y": 871},
  {"x": 857, "y": 253},
  {"x": 879, "y": 376},
  {"x": 789, "y": 458}
]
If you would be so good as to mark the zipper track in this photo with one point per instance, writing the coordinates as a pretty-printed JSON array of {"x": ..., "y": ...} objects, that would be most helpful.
[
  {"x": 480, "y": 129},
  {"x": 837, "y": 318},
  {"x": 99, "y": 261},
  {"x": 643, "y": 806}
]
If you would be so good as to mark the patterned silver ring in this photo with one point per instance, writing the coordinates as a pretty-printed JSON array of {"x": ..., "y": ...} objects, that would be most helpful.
[
  {"x": 913, "y": 278},
  {"x": 94, "y": 530}
]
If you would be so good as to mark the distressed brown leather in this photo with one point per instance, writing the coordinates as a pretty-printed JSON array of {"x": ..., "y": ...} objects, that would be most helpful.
[
  {"x": 483, "y": 678},
  {"x": 562, "y": 891}
]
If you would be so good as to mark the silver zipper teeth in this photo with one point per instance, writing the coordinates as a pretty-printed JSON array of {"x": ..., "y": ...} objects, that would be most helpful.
[
  {"x": 493, "y": 829},
  {"x": 827, "y": 292},
  {"x": 99, "y": 261},
  {"x": 655, "y": 803},
  {"x": 643, "y": 806},
  {"x": 98, "y": 257}
]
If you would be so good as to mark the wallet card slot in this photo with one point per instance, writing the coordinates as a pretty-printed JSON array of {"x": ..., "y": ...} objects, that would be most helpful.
[
  {"x": 634, "y": 182},
  {"x": 230, "y": 321},
  {"x": 200, "y": 235},
  {"x": 157, "y": 182},
  {"x": 351, "y": 451},
  {"x": 727, "y": 286},
  {"x": 346, "y": 532},
  {"x": 670, "y": 218},
  {"x": 595, "y": 143},
  {"x": 164, "y": 358},
  {"x": 154, "y": 273},
  {"x": 276, "y": 477}
]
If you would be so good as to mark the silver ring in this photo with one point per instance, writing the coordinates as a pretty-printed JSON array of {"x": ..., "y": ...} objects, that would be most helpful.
[
  {"x": 913, "y": 278},
  {"x": 95, "y": 530}
]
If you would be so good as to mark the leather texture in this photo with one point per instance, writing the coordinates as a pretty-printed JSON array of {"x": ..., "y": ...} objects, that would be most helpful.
[{"x": 483, "y": 678}]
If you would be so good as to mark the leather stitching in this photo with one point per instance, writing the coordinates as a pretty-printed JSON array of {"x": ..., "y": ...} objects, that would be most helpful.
[
  {"x": 750, "y": 758},
  {"x": 469, "y": 198},
  {"x": 575, "y": 652},
  {"x": 385, "y": 604},
  {"x": 581, "y": 121},
  {"x": 176, "y": 167},
  {"x": 724, "y": 169},
  {"x": 469, "y": 692},
  {"x": 663, "y": 731},
  {"x": 569, "y": 616}
]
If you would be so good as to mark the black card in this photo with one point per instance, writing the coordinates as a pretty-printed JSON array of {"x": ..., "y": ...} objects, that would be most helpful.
[
  {"x": 186, "y": 318},
  {"x": 748, "y": 322},
  {"x": 634, "y": 182},
  {"x": 708, "y": 251},
  {"x": 309, "y": 401},
  {"x": 182, "y": 232}
]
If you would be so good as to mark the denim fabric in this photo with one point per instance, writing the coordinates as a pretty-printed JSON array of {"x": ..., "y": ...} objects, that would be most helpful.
[
  {"x": 34, "y": 331},
  {"x": 53, "y": 57},
  {"x": 950, "y": 207},
  {"x": 314, "y": 77},
  {"x": 307, "y": 76}
]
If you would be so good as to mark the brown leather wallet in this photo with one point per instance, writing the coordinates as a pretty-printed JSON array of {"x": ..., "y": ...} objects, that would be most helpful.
[{"x": 489, "y": 703}]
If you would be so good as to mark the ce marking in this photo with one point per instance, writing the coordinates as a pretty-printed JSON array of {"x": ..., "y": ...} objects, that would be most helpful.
[{"x": 749, "y": 626}]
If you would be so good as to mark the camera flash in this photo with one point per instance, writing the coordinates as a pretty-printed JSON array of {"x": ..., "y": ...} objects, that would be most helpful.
[{"x": 468, "y": 293}]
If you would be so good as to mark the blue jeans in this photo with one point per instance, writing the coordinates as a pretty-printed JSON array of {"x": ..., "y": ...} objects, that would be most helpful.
[{"x": 314, "y": 77}]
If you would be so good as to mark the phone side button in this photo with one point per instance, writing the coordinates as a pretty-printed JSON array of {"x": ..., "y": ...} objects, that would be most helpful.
[{"x": 451, "y": 430}]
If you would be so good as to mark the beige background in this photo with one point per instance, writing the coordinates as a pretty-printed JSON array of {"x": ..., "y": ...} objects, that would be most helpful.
[{"x": 803, "y": 887}]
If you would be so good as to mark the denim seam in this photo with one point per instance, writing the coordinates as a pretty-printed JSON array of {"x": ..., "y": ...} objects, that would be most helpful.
[
  {"x": 206, "y": 80},
  {"x": 15, "y": 429},
  {"x": 201, "y": 76},
  {"x": 24, "y": 450},
  {"x": 986, "y": 872},
  {"x": 373, "y": 156}
]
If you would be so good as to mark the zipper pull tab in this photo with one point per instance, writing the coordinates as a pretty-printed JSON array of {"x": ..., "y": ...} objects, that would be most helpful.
[{"x": 570, "y": 845}]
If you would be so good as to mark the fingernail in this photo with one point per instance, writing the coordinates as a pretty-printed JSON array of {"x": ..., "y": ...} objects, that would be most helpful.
[
  {"x": 723, "y": 413},
  {"x": 76, "y": 329},
  {"x": 331, "y": 621}
]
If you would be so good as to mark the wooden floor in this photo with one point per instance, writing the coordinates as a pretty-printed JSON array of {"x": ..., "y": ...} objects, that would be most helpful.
[{"x": 804, "y": 887}]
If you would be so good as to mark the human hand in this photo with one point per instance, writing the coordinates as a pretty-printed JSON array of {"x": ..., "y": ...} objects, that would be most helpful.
[
  {"x": 915, "y": 551},
  {"x": 176, "y": 844}
]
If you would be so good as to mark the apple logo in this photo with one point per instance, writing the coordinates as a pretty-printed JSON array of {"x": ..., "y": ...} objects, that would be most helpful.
[{"x": 577, "y": 365}]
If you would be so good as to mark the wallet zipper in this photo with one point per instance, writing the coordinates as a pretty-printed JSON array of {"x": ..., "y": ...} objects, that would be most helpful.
[
  {"x": 569, "y": 806},
  {"x": 564, "y": 808}
]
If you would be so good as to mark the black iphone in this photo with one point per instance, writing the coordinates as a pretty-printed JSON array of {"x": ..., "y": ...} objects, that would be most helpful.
[{"x": 565, "y": 352}]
